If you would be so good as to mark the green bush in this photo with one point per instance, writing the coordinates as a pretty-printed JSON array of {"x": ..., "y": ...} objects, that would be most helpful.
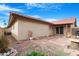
[
  {"x": 35, "y": 53},
  {"x": 3, "y": 44}
]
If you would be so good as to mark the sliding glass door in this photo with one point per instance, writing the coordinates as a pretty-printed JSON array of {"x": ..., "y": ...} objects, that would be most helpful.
[{"x": 60, "y": 30}]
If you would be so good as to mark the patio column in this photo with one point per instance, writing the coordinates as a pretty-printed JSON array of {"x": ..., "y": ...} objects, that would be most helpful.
[{"x": 66, "y": 30}]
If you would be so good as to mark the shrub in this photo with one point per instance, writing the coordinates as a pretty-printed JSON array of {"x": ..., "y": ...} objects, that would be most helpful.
[
  {"x": 3, "y": 44},
  {"x": 35, "y": 53}
]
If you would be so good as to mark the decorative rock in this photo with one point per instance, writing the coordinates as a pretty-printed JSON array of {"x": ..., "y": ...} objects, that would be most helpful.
[
  {"x": 8, "y": 53},
  {"x": 5, "y": 54},
  {"x": 31, "y": 38},
  {"x": 77, "y": 37},
  {"x": 11, "y": 52}
]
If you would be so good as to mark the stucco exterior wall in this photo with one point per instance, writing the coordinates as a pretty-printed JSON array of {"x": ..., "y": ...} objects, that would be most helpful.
[
  {"x": 66, "y": 30},
  {"x": 37, "y": 29},
  {"x": 14, "y": 30}
]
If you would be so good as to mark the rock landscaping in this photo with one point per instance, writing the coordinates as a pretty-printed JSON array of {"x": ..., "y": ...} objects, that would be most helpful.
[{"x": 10, "y": 52}]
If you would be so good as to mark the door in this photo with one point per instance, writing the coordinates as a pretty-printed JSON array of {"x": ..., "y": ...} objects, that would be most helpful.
[{"x": 60, "y": 30}]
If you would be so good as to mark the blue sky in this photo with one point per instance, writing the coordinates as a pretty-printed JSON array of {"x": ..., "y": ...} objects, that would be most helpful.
[{"x": 45, "y": 11}]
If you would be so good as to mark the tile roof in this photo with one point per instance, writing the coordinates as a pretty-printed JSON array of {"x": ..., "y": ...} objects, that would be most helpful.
[
  {"x": 65, "y": 21},
  {"x": 13, "y": 17}
]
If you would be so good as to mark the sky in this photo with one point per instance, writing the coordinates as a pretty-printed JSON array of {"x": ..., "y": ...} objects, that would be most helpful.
[{"x": 44, "y": 11}]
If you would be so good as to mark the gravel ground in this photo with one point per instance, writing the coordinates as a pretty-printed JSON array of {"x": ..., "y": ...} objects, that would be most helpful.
[{"x": 50, "y": 46}]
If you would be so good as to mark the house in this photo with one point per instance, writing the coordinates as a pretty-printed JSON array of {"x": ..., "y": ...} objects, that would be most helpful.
[{"x": 24, "y": 27}]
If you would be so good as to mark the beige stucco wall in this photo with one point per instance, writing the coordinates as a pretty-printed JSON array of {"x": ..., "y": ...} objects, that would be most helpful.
[
  {"x": 38, "y": 29},
  {"x": 66, "y": 32},
  {"x": 20, "y": 29},
  {"x": 14, "y": 30},
  {"x": 54, "y": 30}
]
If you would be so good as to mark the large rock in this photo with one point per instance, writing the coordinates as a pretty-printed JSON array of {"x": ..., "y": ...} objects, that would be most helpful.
[{"x": 11, "y": 52}]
